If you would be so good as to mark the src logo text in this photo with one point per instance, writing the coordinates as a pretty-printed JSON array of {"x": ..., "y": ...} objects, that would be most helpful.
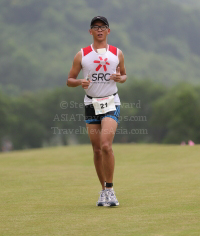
[
  {"x": 101, "y": 63},
  {"x": 101, "y": 77}
]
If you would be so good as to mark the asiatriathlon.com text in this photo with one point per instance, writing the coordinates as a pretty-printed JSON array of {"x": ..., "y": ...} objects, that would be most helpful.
[
  {"x": 81, "y": 117},
  {"x": 83, "y": 130}
]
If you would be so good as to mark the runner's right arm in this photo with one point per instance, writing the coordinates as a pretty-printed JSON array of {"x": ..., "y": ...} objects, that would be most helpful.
[{"x": 75, "y": 70}]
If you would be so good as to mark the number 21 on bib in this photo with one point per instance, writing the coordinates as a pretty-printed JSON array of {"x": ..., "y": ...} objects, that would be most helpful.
[{"x": 103, "y": 105}]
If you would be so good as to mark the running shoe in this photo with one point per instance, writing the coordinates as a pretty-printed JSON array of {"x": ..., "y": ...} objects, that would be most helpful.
[
  {"x": 111, "y": 199},
  {"x": 102, "y": 198}
]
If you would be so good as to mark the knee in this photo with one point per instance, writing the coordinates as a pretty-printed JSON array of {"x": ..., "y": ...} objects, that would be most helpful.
[
  {"x": 97, "y": 152},
  {"x": 106, "y": 148}
]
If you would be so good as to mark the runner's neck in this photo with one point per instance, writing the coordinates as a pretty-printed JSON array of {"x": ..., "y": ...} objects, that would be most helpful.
[{"x": 99, "y": 45}]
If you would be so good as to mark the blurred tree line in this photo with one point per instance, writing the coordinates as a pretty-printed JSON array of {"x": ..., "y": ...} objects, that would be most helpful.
[
  {"x": 38, "y": 40},
  {"x": 150, "y": 113}
]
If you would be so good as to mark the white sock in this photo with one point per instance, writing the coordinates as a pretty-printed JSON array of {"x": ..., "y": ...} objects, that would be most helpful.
[{"x": 109, "y": 188}]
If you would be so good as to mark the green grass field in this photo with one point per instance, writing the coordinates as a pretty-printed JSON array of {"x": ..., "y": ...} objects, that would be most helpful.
[{"x": 51, "y": 192}]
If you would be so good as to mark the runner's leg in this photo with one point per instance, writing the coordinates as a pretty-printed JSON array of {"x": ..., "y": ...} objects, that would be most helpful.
[
  {"x": 108, "y": 129},
  {"x": 94, "y": 132}
]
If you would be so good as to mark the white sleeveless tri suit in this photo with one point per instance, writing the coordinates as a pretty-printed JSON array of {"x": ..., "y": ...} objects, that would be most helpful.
[{"x": 99, "y": 68}]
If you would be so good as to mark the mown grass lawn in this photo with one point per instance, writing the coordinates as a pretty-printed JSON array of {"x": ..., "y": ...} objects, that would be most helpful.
[{"x": 51, "y": 192}]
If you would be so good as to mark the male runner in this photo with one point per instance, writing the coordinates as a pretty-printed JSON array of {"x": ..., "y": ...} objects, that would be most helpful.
[{"x": 103, "y": 66}]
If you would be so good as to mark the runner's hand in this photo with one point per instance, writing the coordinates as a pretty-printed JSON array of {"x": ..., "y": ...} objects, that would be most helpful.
[
  {"x": 116, "y": 77},
  {"x": 85, "y": 83}
]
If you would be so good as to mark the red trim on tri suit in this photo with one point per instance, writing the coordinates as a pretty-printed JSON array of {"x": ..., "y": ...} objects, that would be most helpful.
[
  {"x": 113, "y": 49},
  {"x": 87, "y": 50}
]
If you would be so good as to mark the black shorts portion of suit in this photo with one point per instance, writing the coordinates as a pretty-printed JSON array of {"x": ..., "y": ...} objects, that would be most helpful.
[{"x": 91, "y": 118}]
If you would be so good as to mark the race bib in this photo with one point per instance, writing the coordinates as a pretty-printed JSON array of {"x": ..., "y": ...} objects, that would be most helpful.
[{"x": 103, "y": 105}]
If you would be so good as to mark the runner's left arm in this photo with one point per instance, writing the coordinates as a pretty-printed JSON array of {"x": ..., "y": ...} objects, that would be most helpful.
[{"x": 120, "y": 75}]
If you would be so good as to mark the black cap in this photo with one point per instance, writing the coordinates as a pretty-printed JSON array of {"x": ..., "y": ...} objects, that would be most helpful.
[{"x": 101, "y": 18}]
